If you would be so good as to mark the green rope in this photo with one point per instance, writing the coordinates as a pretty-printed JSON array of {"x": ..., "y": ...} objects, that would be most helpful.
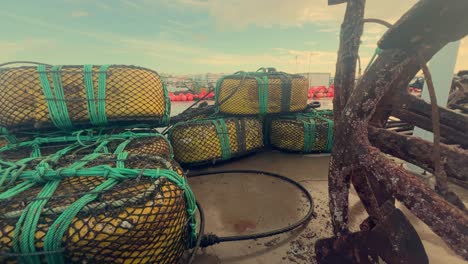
[
  {"x": 96, "y": 106},
  {"x": 91, "y": 101},
  {"x": 377, "y": 51},
  {"x": 101, "y": 100},
  {"x": 54, "y": 236},
  {"x": 7, "y": 135},
  {"x": 60, "y": 96},
  {"x": 81, "y": 139},
  {"x": 309, "y": 134},
  {"x": 263, "y": 94},
  {"x": 217, "y": 91},
  {"x": 330, "y": 125},
  {"x": 89, "y": 87},
  {"x": 330, "y": 135},
  {"x": 25, "y": 228},
  {"x": 223, "y": 136},
  {"x": 167, "y": 106},
  {"x": 55, "y": 103},
  {"x": 28, "y": 228}
]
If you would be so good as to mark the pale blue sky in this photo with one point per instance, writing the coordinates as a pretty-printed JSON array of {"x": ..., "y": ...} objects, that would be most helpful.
[{"x": 186, "y": 36}]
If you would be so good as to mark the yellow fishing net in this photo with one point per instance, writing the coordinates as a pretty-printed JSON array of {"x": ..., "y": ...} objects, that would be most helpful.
[
  {"x": 80, "y": 96},
  {"x": 303, "y": 132},
  {"x": 211, "y": 140},
  {"x": 261, "y": 93}
]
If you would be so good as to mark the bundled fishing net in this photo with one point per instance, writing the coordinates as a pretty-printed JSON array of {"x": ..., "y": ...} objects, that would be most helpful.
[
  {"x": 102, "y": 207},
  {"x": 87, "y": 141},
  {"x": 70, "y": 97},
  {"x": 303, "y": 132},
  {"x": 210, "y": 140},
  {"x": 262, "y": 92},
  {"x": 3, "y": 142}
]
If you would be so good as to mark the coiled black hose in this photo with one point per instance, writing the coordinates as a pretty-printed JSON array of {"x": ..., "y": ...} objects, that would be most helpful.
[{"x": 206, "y": 240}]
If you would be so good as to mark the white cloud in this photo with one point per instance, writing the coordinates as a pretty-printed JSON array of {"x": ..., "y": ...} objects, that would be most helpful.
[
  {"x": 202, "y": 59},
  {"x": 130, "y": 3},
  {"x": 11, "y": 50},
  {"x": 178, "y": 24},
  {"x": 329, "y": 29},
  {"x": 241, "y": 13},
  {"x": 79, "y": 14},
  {"x": 103, "y": 5}
]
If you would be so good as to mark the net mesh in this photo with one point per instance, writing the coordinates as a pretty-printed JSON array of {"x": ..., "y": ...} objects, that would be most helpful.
[
  {"x": 132, "y": 95},
  {"x": 3, "y": 142},
  {"x": 139, "y": 219},
  {"x": 205, "y": 141},
  {"x": 304, "y": 132},
  {"x": 147, "y": 143},
  {"x": 261, "y": 93}
]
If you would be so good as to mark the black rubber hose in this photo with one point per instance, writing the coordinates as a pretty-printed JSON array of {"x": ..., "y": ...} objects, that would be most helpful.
[{"x": 211, "y": 239}]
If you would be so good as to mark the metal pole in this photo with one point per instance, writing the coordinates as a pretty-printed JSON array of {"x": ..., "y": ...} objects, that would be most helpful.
[
  {"x": 308, "y": 73},
  {"x": 442, "y": 67},
  {"x": 296, "y": 64}
]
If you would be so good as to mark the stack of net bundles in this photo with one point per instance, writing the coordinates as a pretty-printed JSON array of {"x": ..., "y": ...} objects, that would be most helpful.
[
  {"x": 86, "y": 141},
  {"x": 263, "y": 92},
  {"x": 72, "y": 97},
  {"x": 302, "y": 132},
  {"x": 209, "y": 140},
  {"x": 128, "y": 205}
]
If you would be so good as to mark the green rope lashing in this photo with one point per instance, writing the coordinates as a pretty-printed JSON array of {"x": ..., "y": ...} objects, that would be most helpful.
[
  {"x": 25, "y": 228},
  {"x": 91, "y": 101},
  {"x": 223, "y": 136},
  {"x": 217, "y": 91},
  {"x": 330, "y": 124},
  {"x": 53, "y": 239},
  {"x": 60, "y": 96},
  {"x": 167, "y": 106},
  {"x": 96, "y": 105},
  {"x": 55, "y": 100},
  {"x": 101, "y": 100},
  {"x": 309, "y": 134},
  {"x": 263, "y": 94},
  {"x": 377, "y": 51},
  {"x": 28, "y": 227},
  {"x": 7, "y": 135}
]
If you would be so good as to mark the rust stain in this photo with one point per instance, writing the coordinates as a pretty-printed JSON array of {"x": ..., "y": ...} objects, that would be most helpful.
[{"x": 243, "y": 225}]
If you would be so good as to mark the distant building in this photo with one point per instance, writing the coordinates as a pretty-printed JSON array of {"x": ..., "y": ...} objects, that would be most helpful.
[
  {"x": 212, "y": 78},
  {"x": 317, "y": 78}
]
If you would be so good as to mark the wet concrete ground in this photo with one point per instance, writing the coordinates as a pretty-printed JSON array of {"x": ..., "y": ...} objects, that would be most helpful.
[{"x": 237, "y": 204}]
